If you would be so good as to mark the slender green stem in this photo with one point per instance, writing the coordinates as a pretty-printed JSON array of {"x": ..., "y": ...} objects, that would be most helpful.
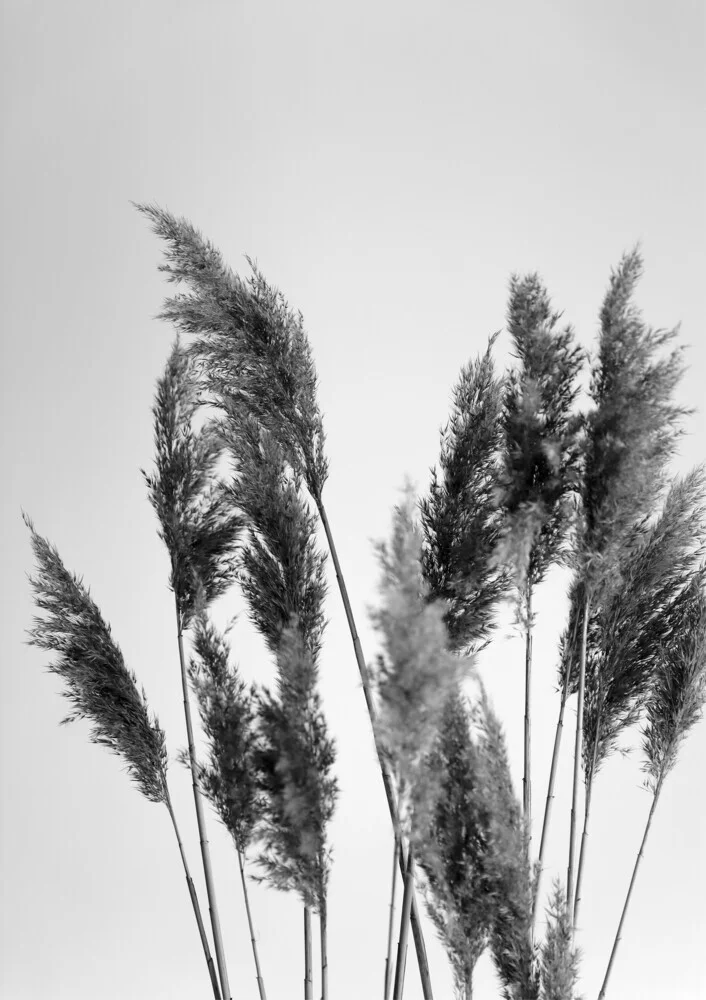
[
  {"x": 194, "y": 902},
  {"x": 526, "y": 777},
  {"x": 386, "y": 775},
  {"x": 246, "y": 896},
  {"x": 391, "y": 922},
  {"x": 404, "y": 926},
  {"x": 201, "y": 822},
  {"x": 308, "y": 959},
  {"x": 640, "y": 853},
  {"x": 577, "y": 758}
]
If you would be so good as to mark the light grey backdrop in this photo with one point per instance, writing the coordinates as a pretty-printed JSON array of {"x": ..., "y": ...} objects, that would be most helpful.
[{"x": 389, "y": 165}]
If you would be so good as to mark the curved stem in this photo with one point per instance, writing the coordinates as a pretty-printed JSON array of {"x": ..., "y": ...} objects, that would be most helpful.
[
  {"x": 386, "y": 775},
  {"x": 577, "y": 758},
  {"x": 640, "y": 853},
  {"x": 201, "y": 822},
  {"x": 246, "y": 896},
  {"x": 194, "y": 900}
]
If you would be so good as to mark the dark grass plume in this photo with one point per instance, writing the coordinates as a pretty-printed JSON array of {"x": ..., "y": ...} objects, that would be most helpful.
[
  {"x": 540, "y": 469},
  {"x": 198, "y": 524},
  {"x": 295, "y": 762},
  {"x": 460, "y": 517},
  {"x": 256, "y": 363},
  {"x": 472, "y": 850},
  {"x": 675, "y": 705},
  {"x": 540, "y": 473},
  {"x": 631, "y": 433},
  {"x": 99, "y": 686},
  {"x": 253, "y": 349},
  {"x": 229, "y": 777},
  {"x": 559, "y": 959},
  {"x": 200, "y": 530},
  {"x": 101, "y": 689}
]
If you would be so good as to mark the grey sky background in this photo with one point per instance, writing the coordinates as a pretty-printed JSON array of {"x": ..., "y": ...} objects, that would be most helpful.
[{"x": 388, "y": 165}]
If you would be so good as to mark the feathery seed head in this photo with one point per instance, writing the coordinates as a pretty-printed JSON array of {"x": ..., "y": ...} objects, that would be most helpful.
[{"x": 98, "y": 684}]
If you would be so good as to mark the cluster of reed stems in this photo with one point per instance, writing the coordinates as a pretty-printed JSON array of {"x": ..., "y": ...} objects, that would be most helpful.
[{"x": 525, "y": 482}]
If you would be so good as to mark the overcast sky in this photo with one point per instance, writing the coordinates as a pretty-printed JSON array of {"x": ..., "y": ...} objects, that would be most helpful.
[{"x": 389, "y": 165}]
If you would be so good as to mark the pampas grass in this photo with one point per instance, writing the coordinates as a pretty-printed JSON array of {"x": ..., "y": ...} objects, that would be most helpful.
[
  {"x": 256, "y": 363},
  {"x": 631, "y": 433},
  {"x": 200, "y": 531},
  {"x": 541, "y": 461},
  {"x": 229, "y": 778},
  {"x": 101, "y": 689},
  {"x": 415, "y": 674},
  {"x": 559, "y": 959},
  {"x": 674, "y": 706},
  {"x": 460, "y": 516}
]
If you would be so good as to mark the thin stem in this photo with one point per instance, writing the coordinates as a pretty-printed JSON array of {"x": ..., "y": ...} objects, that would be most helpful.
[
  {"x": 391, "y": 923},
  {"x": 526, "y": 778},
  {"x": 587, "y": 810},
  {"x": 577, "y": 758},
  {"x": 308, "y": 979},
  {"x": 658, "y": 789},
  {"x": 386, "y": 776},
  {"x": 194, "y": 902},
  {"x": 550, "y": 793},
  {"x": 201, "y": 822},
  {"x": 246, "y": 896},
  {"x": 323, "y": 930},
  {"x": 404, "y": 926}
]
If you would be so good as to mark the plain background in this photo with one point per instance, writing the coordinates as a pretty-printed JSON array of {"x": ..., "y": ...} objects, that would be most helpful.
[{"x": 388, "y": 165}]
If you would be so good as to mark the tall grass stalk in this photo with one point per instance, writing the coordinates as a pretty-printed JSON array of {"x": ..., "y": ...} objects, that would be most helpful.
[
  {"x": 195, "y": 903},
  {"x": 229, "y": 777},
  {"x": 550, "y": 794},
  {"x": 103, "y": 690},
  {"x": 577, "y": 758},
  {"x": 675, "y": 704},
  {"x": 630, "y": 434},
  {"x": 201, "y": 821},
  {"x": 257, "y": 360},
  {"x": 391, "y": 922},
  {"x": 404, "y": 926},
  {"x": 200, "y": 534},
  {"x": 540, "y": 469},
  {"x": 256, "y": 957}
]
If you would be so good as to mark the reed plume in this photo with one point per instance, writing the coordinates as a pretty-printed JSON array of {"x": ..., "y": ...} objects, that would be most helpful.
[
  {"x": 559, "y": 959},
  {"x": 257, "y": 363},
  {"x": 540, "y": 473},
  {"x": 200, "y": 531},
  {"x": 460, "y": 517},
  {"x": 229, "y": 778},
  {"x": 416, "y": 673},
  {"x": 631, "y": 433},
  {"x": 295, "y": 761},
  {"x": 282, "y": 574},
  {"x": 674, "y": 706},
  {"x": 469, "y": 849},
  {"x": 102, "y": 689}
]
